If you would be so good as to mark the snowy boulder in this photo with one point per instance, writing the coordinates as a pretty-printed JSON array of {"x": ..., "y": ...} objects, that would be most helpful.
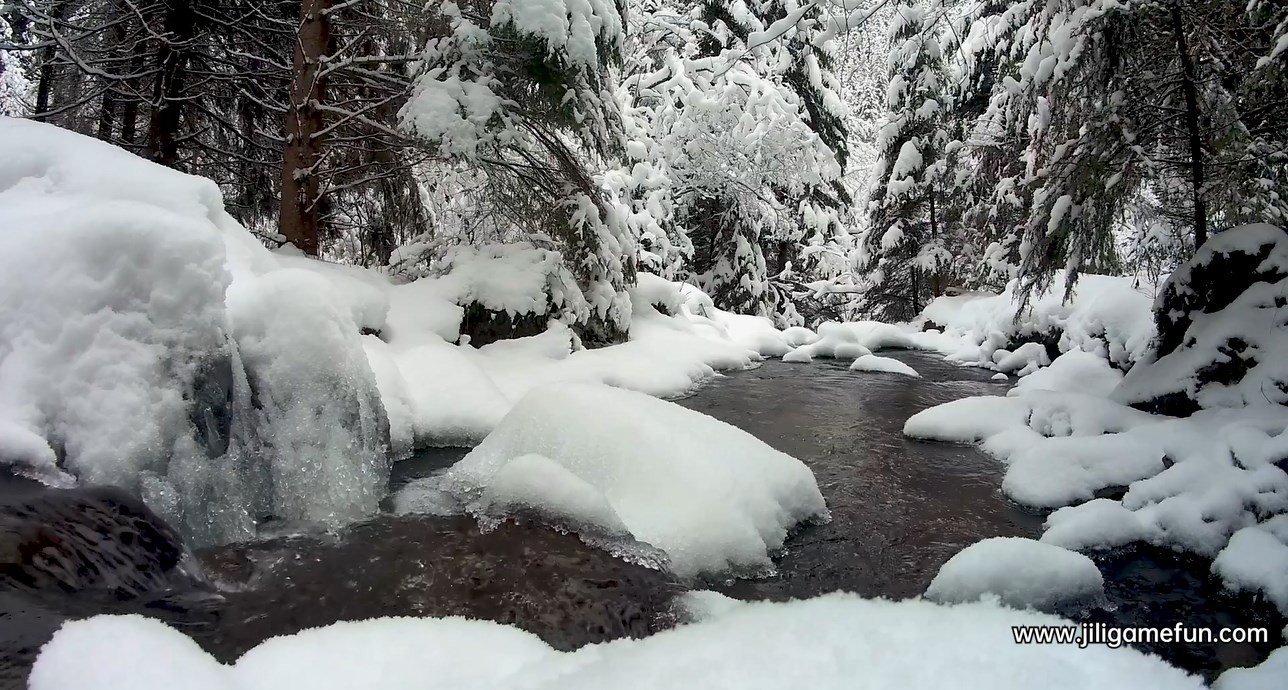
[
  {"x": 1221, "y": 342},
  {"x": 1269, "y": 675},
  {"x": 887, "y": 365},
  {"x": 1023, "y": 573},
  {"x": 834, "y": 642},
  {"x": 159, "y": 347},
  {"x": 710, "y": 495}
]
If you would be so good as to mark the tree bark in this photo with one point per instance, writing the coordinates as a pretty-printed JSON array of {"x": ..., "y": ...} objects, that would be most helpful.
[
  {"x": 299, "y": 219},
  {"x": 936, "y": 278},
  {"x": 1189, "y": 86},
  {"x": 179, "y": 26}
]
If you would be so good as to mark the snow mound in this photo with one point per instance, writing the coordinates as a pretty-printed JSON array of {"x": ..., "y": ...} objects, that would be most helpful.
[
  {"x": 162, "y": 349},
  {"x": 799, "y": 335},
  {"x": 883, "y": 364},
  {"x": 1256, "y": 559},
  {"x": 835, "y": 341},
  {"x": 536, "y": 484},
  {"x": 712, "y": 496},
  {"x": 1074, "y": 372},
  {"x": 1097, "y": 524},
  {"x": 825, "y": 643},
  {"x": 1022, "y": 572}
]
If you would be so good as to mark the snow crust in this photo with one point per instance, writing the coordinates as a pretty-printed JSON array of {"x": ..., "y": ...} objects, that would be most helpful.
[
  {"x": 1021, "y": 572},
  {"x": 823, "y": 643},
  {"x": 713, "y": 497}
]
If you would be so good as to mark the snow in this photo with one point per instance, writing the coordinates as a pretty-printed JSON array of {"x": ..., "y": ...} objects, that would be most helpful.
[
  {"x": 1256, "y": 559},
  {"x": 1188, "y": 484},
  {"x": 1269, "y": 675},
  {"x": 713, "y": 497},
  {"x": 1022, "y": 572},
  {"x": 822, "y": 643},
  {"x": 1108, "y": 316},
  {"x": 883, "y": 364},
  {"x": 835, "y": 340},
  {"x": 137, "y": 319}
]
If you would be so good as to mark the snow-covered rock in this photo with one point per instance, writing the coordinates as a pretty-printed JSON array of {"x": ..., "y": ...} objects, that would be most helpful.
[
  {"x": 1256, "y": 559},
  {"x": 1021, "y": 572},
  {"x": 1222, "y": 340},
  {"x": 832, "y": 642},
  {"x": 883, "y": 364},
  {"x": 835, "y": 341},
  {"x": 138, "y": 320},
  {"x": 712, "y": 496}
]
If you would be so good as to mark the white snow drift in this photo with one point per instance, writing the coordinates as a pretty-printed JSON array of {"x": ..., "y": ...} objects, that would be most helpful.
[
  {"x": 712, "y": 496},
  {"x": 835, "y": 642}
]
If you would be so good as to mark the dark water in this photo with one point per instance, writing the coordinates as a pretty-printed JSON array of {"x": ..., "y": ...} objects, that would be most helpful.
[{"x": 900, "y": 509}]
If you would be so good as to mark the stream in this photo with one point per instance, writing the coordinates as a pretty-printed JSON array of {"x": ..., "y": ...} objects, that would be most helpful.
[{"x": 900, "y": 508}]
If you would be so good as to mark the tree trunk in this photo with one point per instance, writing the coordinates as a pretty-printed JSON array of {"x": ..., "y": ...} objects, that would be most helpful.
[
  {"x": 1189, "y": 86},
  {"x": 172, "y": 58},
  {"x": 300, "y": 220},
  {"x": 936, "y": 278}
]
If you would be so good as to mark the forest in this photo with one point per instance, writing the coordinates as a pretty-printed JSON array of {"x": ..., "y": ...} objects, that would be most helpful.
[{"x": 419, "y": 344}]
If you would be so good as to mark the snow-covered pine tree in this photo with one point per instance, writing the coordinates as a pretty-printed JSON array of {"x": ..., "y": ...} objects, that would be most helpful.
[
  {"x": 716, "y": 82},
  {"x": 903, "y": 255},
  {"x": 519, "y": 93},
  {"x": 1110, "y": 105}
]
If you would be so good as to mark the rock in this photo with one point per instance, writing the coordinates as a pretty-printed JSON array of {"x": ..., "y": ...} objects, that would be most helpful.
[
  {"x": 484, "y": 326},
  {"x": 542, "y": 581},
  {"x": 1221, "y": 339},
  {"x": 1219, "y": 272},
  {"x": 76, "y": 541}
]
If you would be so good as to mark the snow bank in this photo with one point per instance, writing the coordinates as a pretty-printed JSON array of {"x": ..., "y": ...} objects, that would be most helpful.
[
  {"x": 1022, "y": 572},
  {"x": 883, "y": 364},
  {"x": 835, "y": 341},
  {"x": 1256, "y": 559},
  {"x": 1108, "y": 316},
  {"x": 1187, "y": 484},
  {"x": 137, "y": 322},
  {"x": 712, "y": 496},
  {"x": 1269, "y": 675},
  {"x": 830, "y": 642}
]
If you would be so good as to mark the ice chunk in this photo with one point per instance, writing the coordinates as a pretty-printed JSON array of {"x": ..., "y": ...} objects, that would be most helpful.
[
  {"x": 883, "y": 364},
  {"x": 712, "y": 496},
  {"x": 1024, "y": 573}
]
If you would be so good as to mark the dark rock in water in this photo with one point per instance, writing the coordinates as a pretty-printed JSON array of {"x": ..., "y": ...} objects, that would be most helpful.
[
  {"x": 76, "y": 553},
  {"x": 85, "y": 540},
  {"x": 542, "y": 581}
]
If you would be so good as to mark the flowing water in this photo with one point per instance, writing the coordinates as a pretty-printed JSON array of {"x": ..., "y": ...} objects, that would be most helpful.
[{"x": 900, "y": 508}]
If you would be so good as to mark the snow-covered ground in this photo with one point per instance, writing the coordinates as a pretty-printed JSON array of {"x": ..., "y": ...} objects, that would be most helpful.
[{"x": 836, "y": 641}]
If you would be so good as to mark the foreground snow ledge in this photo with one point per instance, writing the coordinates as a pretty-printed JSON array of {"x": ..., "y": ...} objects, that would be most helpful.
[
  {"x": 714, "y": 497},
  {"x": 837, "y": 641}
]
